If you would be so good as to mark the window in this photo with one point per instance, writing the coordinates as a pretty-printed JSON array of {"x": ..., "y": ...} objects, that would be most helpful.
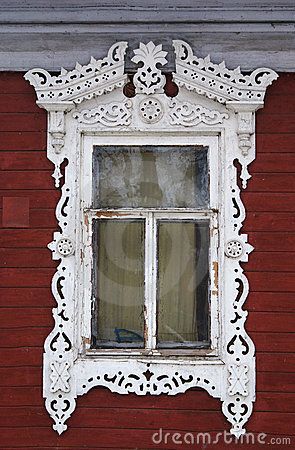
[
  {"x": 149, "y": 286},
  {"x": 154, "y": 237}
]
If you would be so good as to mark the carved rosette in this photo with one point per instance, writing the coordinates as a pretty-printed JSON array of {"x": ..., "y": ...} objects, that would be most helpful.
[{"x": 229, "y": 113}]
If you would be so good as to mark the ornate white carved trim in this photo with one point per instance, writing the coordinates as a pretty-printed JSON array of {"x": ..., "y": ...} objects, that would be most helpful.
[
  {"x": 189, "y": 115},
  {"x": 148, "y": 78},
  {"x": 110, "y": 115},
  {"x": 217, "y": 82},
  {"x": 84, "y": 82},
  {"x": 238, "y": 380},
  {"x": 218, "y": 105}
]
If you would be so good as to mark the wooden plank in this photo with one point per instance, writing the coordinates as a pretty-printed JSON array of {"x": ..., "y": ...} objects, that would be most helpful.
[
  {"x": 273, "y": 342},
  {"x": 270, "y": 202},
  {"x": 274, "y": 143},
  {"x": 26, "y": 258},
  {"x": 15, "y": 212},
  {"x": 22, "y": 122},
  {"x": 42, "y": 437},
  {"x": 25, "y": 278},
  {"x": 14, "y": 83},
  {"x": 276, "y": 102},
  {"x": 35, "y": 160},
  {"x": 25, "y": 238},
  {"x": 25, "y": 356},
  {"x": 272, "y": 242},
  {"x": 135, "y": 418},
  {"x": 271, "y": 301},
  {"x": 271, "y": 322},
  {"x": 273, "y": 162},
  {"x": 47, "y": 198},
  {"x": 270, "y": 262},
  {"x": 19, "y": 103},
  {"x": 276, "y": 362},
  {"x": 43, "y": 218},
  {"x": 26, "y": 180},
  {"x": 23, "y": 337},
  {"x": 24, "y": 297},
  {"x": 22, "y": 141},
  {"x": 270, "y": 422},
  {"x": 275, "y": 381},
  {"x": 272, "y": 182},
  {"x": 27, "y": 376},
  {"x": 271, "y": 282},
  {"x": 271, "y": 123},
  {"x": 264, "y": 221},
  {"x": 26, "y": 317},
  {"x": 40, "y": 218},
  {"x": 275, "y": 401}
]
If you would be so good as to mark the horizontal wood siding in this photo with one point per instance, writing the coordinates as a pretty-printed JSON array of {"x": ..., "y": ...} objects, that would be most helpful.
[{"x": 106, "y": 420}]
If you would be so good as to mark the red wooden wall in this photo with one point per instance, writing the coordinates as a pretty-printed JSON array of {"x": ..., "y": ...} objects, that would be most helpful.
[{"x": 103, "y": 419}]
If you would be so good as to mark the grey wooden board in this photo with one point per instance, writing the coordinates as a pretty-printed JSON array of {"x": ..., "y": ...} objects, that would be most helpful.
[
  {"x": 55, "y": 33},
  {"x": 51, "y": 51}
]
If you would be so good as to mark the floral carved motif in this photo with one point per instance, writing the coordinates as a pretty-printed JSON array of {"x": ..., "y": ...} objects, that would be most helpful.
[
  {"x": 189, "y": 115},
  {"x": 238, "y": 379},
  {"x": 148, "y": 78},
  {"x": 59, "y": 376},
  {"x": 110, "y": 115}
]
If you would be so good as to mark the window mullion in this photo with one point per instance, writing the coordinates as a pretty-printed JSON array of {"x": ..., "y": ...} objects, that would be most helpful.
[{"x": 150, "y": 282}]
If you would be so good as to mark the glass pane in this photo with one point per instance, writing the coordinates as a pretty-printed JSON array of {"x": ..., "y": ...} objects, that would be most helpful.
[
  {"x": 133, "y": 176},
  {"x": 119, "y": 245},
  {"x": 182, "y": 291}
]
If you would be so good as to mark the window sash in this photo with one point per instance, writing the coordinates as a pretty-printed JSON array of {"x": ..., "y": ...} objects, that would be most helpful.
[
  {"x": 88, "y": 214},
  {"x": 151, "y": 217}
]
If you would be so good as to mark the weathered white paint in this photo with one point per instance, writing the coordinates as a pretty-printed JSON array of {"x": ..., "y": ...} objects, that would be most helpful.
[{"x": 71, "y": 368}]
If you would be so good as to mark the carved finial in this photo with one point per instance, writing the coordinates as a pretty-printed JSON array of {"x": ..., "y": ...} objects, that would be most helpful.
[{"x": 148, "y": 78}]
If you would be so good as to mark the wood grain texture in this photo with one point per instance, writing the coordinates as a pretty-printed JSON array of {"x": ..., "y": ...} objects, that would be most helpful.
[{"x": 106, "y": 420}]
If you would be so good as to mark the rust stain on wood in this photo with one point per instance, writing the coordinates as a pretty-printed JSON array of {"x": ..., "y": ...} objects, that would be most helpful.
[
  {"x": 109, "y": 214},
  {"x": 215, "y": 275}
]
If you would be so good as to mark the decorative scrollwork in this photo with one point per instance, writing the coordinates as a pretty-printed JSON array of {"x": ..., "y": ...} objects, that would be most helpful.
[
  {"x": 189, "y": 115},
  {"x": 110, "y": 115},
  {"x": 230, "y": 375}
]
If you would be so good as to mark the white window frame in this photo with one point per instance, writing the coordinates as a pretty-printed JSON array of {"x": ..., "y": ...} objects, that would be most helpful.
[
  {"x": 86, "y": 107},
  {"x": 89, "y": 214}
]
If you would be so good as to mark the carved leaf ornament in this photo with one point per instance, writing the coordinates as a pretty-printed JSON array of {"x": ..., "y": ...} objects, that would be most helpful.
[{"x": 87, "y": 101}]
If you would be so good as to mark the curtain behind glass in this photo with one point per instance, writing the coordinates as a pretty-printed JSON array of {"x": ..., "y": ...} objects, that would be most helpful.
[{"x": 141, "y": 177}]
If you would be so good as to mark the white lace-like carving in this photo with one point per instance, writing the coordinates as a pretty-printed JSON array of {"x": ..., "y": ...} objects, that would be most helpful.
[
  {"x": 238, "y": 380},
  {"x": 230, "y": 376},
  {"x": 148, "y": 78},
  {"x": 112, "y": 114},
  {"x": 189, "y": 115},
  {"x": 216, "y": 81},
  {"x": 84, "y": 82}
]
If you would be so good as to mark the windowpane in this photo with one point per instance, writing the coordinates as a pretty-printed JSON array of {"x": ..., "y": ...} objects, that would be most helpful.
[
  {"x": 119, "y": 246},
  {"x": 163, "y": 176},
  {"x": 182, "y": 291}
]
